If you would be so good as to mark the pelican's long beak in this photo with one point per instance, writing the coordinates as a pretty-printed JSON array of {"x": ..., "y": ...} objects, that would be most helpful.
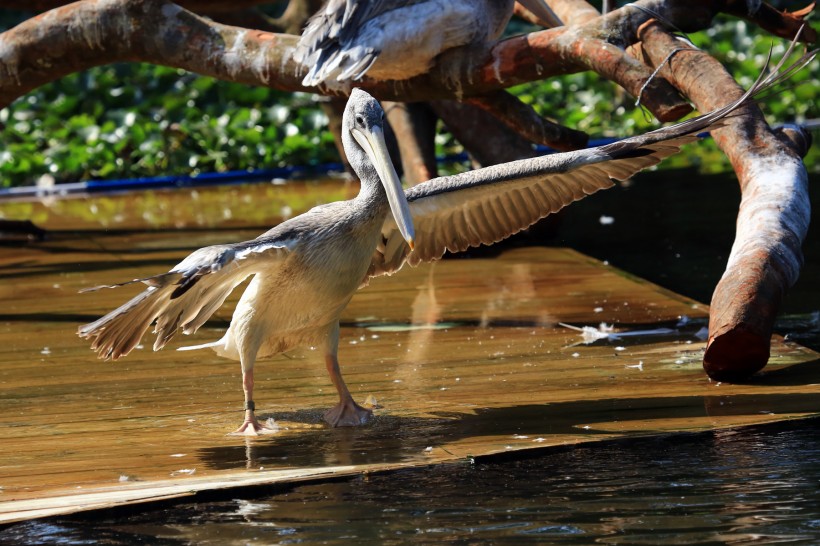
[
  {"x": 541, "y": 10},
  {"x": 372, "y": 142}
]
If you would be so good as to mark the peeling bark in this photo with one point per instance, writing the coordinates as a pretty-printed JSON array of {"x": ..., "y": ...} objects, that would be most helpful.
[
  {"x": 94, "y": 32},
  {"x": 772, "y": 222}
]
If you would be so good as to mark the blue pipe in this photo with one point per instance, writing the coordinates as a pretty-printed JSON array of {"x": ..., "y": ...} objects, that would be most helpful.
[{"x": 231, "y": 177}]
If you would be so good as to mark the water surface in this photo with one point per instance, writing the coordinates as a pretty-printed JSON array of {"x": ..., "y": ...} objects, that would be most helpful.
[{"x": 750, "y": 486}]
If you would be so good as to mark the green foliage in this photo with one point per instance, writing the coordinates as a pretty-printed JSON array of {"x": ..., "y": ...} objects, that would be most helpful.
[{"x": 131, "y": 120}]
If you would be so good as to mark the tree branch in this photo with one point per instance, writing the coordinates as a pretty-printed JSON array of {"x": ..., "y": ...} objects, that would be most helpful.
[
  {"x": 199, "y": 6},
  {"x": 772, "y": 221},
  {"x": 525, "y": 121},
  {"x": 94, "y": 32}
]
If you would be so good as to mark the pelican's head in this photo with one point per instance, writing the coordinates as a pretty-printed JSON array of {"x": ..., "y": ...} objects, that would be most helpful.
[{"x": 363, "y": 138}]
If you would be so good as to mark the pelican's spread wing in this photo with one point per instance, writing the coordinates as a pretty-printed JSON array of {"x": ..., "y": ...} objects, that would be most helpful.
[
  {"x": 484, "y": 206},
  {"x": 487, "y": 205},
  {"x": 186, "y": 296}
]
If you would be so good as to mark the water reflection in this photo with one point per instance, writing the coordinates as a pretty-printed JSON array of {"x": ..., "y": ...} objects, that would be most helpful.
[
  {"x": 751, "y": 486},
  {"x": 392, "y": 439}
]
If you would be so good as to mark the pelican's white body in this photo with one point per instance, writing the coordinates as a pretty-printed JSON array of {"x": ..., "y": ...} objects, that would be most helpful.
[{"x": 297, "y": 301}]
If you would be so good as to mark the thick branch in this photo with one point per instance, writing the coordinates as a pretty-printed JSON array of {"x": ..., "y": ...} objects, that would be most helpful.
[
  {"x": 772, "y": 221},
  {"x": 487, "y": 140},
  {"x": 526, "y": 122},
  {"x": 95, "y": 32},
  {"x": 199, "y": 6},
  {"x": 415, "y": 127},
  {"x": 779, "y": 23},
  {"x": 574, "y": 12}
]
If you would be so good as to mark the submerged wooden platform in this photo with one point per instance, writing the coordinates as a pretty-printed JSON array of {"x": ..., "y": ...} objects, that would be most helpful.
[{"x": 464, "y": 358}]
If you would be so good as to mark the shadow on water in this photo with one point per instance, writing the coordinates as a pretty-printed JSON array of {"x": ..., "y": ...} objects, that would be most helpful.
[{"x": 390, "y": 439}]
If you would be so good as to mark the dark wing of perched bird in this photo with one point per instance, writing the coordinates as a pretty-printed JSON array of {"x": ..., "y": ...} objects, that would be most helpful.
[
  {"x": 481, "y": 207},
  {"x": 327, "y": 41}
]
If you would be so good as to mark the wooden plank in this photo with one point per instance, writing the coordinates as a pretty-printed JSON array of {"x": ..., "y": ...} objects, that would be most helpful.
[{"x": 464, "y": 358}]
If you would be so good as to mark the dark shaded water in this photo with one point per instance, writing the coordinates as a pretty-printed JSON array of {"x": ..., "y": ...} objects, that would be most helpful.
[{"x": 751, "y": 486}]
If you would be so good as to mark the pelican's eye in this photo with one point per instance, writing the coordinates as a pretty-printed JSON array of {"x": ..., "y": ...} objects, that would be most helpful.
[{"x": 359, "y": 121}]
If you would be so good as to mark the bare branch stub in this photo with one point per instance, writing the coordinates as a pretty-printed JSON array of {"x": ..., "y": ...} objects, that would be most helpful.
[
  {"x": 525, "y": 121},
  {"x": 772, "y": 220},
  {"x": 415, "y": 127}
]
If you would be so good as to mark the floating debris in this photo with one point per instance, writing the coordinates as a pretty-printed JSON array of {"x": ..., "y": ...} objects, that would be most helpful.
[
  {"x": 248, "y": 508},
  {"x": 591, "y": 334}
]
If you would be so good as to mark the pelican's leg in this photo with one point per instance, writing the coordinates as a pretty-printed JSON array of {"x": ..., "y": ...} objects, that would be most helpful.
[
  {"x": 347, "y": 413},
  {"x": 250, "y": 426}
]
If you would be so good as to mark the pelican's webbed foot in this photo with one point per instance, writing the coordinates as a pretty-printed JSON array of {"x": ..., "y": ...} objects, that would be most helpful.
[
  {"x": 252, "y": 427},
  {"x": 347, "y": 414}
]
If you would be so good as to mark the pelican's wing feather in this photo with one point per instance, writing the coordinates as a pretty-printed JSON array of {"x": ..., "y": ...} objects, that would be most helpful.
[
  {"x": 187, "y": 295},
  {"x": 487, "y": 205}
]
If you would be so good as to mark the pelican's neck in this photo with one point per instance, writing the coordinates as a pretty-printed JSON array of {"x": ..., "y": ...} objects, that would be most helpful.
[{"x": 371, "y": 193}]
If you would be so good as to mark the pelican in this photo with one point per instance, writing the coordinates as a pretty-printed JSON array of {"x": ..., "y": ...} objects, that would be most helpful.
[
  {"x": 306, "y": 270},
  {"x": 399, "y": 39}
]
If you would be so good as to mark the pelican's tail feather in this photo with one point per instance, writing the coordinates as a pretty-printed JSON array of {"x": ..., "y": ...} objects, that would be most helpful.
[
  {"x": 117, "y": 333},
  {"x": 215, "y": 345}
]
